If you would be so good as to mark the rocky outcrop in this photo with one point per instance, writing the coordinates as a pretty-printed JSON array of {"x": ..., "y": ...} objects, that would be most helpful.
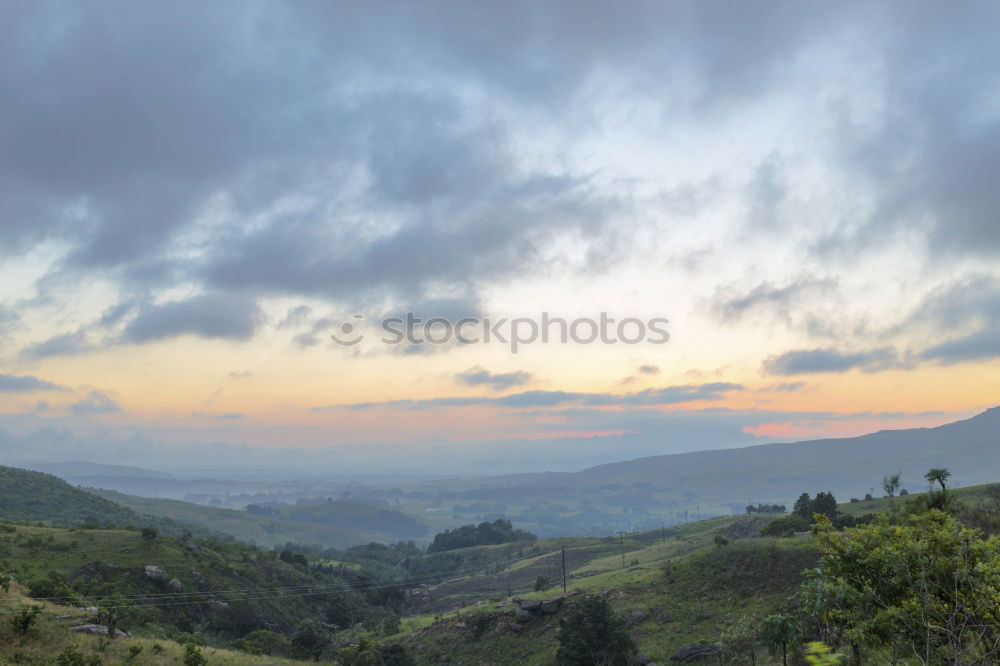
[{"x": 97, "y": 630}]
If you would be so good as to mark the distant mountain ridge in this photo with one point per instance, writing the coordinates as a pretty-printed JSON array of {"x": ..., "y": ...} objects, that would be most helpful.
[{"x": 779, "y": 472}]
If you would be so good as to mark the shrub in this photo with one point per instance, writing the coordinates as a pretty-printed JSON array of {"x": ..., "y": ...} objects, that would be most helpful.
[
  {"x": 542, "y": 583},
  {"x": 786, "y": 526},
  {"x": 23, "y": 621},
  {"x": 193, "y": 656},
  {"x": 592, "y": 634}
]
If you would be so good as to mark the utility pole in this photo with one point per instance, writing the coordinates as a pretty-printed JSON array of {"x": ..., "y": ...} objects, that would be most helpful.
[
  {"x": 564, "y": 568},
  {"x": 621, "y": 543}
]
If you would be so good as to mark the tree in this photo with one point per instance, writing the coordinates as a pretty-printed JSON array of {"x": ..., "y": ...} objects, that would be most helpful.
[
  {"x": 803, "y": 506},
  {"x": 826, "y": 505},
  {"x": 938, "y": 475},
  {"x": 312, "y": 638},
  {"x": 542, "y": 583},
  {"x": 890, "y": 484},
  {"x": 777, "y": 632},
  {"x": 24, "y": 620},
  {"x": 926, "y": 587},
  {"x": 149, "y": 534},
  {"x": 591, "y": 633}
]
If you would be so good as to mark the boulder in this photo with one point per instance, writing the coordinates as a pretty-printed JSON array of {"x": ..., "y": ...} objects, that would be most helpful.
[
  {"x": 175, "y": 585},
  {"x": 522, "y": 616},
  {"x": 97, "y": 630},
  {"x": 695, "y": 651},
  {"x": 636, "y": 617},
  {"x": 155, "y": 572},
  {"x": 218, "y": 606},
  {"x": 550, "y": 606},
  {"x": 530, "y": 604}
]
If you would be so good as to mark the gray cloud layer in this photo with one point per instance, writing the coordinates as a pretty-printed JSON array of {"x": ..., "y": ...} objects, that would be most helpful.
[
  {"x": 26, "y": 384},
  {"x": 668, "y": 395},
  {"x": 297, "y": 125}
]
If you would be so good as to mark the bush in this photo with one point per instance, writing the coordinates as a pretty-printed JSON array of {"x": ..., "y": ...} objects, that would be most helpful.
[
  {"x": 542, "y": 583},
  {"x": 592, "y": 634},
  {"x": 263, "y": 642},
  {"x": 73, "y": 657},
  {"x": 193, "y": 656},
  {"x": 786, "y": 526},
  {"x": 23, "y": 621}
]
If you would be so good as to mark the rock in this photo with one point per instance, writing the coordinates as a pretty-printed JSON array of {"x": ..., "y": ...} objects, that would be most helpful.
[
  {"x": 155, "y": 572},
  {"x": 97, "y": 630},
  {"x": 664, "y": 618},
  {"x": 636, "y": 617},
  {"x": 522, "y": 616},
  {"x": 515, "y": 627},
  {"x": 694, "y": 651},
  {"x": 530, "y": 604},
  {"x": 218, "y": 606},
  {"x": 550, "y": 606},
  {"x": 175, "y": 585}
]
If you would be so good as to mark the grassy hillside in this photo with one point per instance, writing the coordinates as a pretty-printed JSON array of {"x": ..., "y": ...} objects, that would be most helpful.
[
  {"x": 38, "y": 497},
  {"x": 266, "y": 530},
  {"x": 676, "y": 586},
  {"x": 51, "y": 637}
]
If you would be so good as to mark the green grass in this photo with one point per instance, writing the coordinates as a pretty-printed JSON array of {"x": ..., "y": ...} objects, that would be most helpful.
[
  {"x": 37, "y": 497},
  {"x": 688, "y": 589},
  {"x": 51, "y": 635},
  {"x": 971, "y": 494}
]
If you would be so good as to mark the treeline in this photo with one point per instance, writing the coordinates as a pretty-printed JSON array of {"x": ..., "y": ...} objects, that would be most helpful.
[{"x": 483, "y": 534}]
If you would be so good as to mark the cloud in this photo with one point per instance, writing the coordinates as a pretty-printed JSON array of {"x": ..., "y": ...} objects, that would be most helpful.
[
  {"x": 534, "y": 399},
  {"x": 807, "y": 361},
  {"x": 501, "y": 381},
  {"x": 26, "y": 384},
  {"x": 296, "y": 316},
  {"x": 969, "y": 310},
  {"x": 64, "y": 344},
  {"x": 649, "y": 369},
  {"x": 226, "y": 416},
  {"x": 980, "y": 346},
  {"x": 95, "y": 403},
  {"x": 784, "y": 387},
  {"x": 215, "y": 315},
  {"x": 240, "y": 374},
  {"x": 778, "y": 301}
]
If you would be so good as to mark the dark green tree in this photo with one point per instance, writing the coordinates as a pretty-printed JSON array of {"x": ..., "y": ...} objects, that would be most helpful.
[
  {"x": 825, "y": 504},
  {"x": 591, "y": 633},
  {"x": 938, "y": 475},
  {"x": 311, "y": 639},
  {"x": 803, "y": 506},
  {"x": 777, "y": 632}
]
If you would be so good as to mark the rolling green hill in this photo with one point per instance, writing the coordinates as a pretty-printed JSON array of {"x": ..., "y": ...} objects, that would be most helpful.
[
  {"x": 38, "y": 497},
  {"x": 273, "y": 529}
]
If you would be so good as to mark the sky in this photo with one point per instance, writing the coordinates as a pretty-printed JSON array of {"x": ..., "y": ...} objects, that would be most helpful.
[{"x": 194, "y": 197}]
